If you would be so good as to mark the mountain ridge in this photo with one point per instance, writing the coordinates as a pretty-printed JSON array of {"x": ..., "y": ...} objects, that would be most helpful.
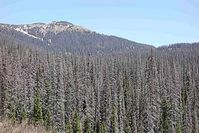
[
  {"x": 65, "y": 26},
  {"x": 63, "y": 35}
]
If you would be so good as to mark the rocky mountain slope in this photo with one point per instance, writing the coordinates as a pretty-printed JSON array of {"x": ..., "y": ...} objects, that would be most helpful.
[{"x": 65, "y": 36}]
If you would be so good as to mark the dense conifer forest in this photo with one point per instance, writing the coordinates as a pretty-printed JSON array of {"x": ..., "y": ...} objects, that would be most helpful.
[{"x": 155, "y": 91}]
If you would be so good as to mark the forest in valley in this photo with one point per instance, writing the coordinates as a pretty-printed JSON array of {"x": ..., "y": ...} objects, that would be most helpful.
[{"x": 156, "y": 91}]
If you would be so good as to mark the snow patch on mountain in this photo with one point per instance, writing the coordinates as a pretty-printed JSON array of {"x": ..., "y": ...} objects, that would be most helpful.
[{"x": 25, "y": 32}]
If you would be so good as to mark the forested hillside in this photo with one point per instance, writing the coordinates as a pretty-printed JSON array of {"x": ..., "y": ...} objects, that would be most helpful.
[
  {"x": 154, "y": 91},
  {"x": 67, "y": 37}
]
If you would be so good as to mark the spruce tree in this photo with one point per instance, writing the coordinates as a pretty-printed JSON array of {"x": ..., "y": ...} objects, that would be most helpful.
[
  {"x": 24, "y": 114},
  {"x": 47, "y": 119},
  {"x": 87, "y": 126},
  {"x": 37, "y": 112},
  {"x": 165, "y": 122},
  {"x": 77, "y": 127},
  {"x": 151, "y": 112},
  {"x": 12, "y": 112},
  {"x": 127, "y": 98},
  {"x": 113, "y": 121},
  {"x": 69, "y": 128},
  {"x": 178, "y": 128},
  {"x": 47, "y": 113},
  {"x": 103, "y": 128}
]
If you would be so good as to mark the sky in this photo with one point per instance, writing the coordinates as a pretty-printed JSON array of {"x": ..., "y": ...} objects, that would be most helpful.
[{"x": 155, "y": 22}]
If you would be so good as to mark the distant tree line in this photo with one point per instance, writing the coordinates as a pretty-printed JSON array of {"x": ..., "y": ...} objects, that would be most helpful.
[{"x": 152, "y": 92}]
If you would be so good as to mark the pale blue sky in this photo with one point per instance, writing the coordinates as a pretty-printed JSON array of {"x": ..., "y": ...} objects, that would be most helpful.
[{"x": 157, "y": 22}]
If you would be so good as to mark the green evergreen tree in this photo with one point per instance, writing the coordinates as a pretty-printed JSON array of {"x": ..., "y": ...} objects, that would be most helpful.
[
  {"x": 21, "y": 113},
  {"x": 37, "y": 112},
  {"x": 97, "y": 127},
  {"x": 47, "y": 119},
  {"x": 127, "y": 93},
  {"x": 69, "y": 128},
  {"x": 46, "y": 106},
  {"x": 127, "y": 128},
  {"x": 24, "y": 114},
  {"x": 103, "y": 128},
  {"x": 87, "y": 126},
  {"x": 77, "y": 127},
  {"x": 165, "y": 123},
  {"x": 184, "y": 99},
  {"x": 12, "y": 112},
  {"x": 178, "y": 128},
  {"x": 113, "y": 120}
]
